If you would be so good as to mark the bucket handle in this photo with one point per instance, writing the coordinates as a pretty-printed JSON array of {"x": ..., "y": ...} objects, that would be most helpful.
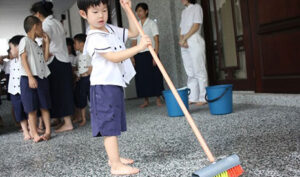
[{"x": 216, "y": 99}]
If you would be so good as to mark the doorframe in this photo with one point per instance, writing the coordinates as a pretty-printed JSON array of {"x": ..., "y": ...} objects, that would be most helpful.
[{"x": 239, "y": 84}]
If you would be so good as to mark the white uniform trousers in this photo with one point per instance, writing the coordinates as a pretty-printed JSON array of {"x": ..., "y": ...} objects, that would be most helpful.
[{"x": 194, "y": 62}]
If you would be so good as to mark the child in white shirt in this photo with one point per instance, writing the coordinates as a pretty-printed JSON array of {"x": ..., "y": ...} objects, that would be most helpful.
[
  {"x": 112, "y": 69},
  {"x": 84, "y": 69},
  {"x": 34, "y": 83}
]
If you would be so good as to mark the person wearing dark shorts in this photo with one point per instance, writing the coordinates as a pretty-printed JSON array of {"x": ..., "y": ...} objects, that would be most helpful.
[
  {"x": 84, "y": 69},
  {"x": 112, "y": 70},
  {"x": 34, "y": 72},
  {"x": 59, "y": 63},
  {"x": 14, "y": 85}
]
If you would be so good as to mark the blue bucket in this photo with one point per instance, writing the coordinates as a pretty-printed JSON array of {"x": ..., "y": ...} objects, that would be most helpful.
[
  {"x": 219, "y": 99},
  {"x": 173, "y": 108}
]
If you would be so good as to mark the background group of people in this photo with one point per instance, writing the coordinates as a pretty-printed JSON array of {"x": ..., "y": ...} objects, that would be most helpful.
[{"x": 63, "y": 62}]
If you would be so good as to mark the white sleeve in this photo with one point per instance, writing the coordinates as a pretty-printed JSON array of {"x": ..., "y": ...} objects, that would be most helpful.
[
  {"x": 198, "y": 14},
  {"x": 154, "y": 29},
  {"x": 22, "y": 46}
]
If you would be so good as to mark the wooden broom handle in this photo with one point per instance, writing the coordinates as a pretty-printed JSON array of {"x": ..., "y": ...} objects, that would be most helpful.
[{"x": 188, "y": 116}]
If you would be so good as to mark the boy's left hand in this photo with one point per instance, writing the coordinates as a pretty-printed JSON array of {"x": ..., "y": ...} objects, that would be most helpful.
[
  {"x": 46, "y": 38},
  {"x": 124, "y": 2}
]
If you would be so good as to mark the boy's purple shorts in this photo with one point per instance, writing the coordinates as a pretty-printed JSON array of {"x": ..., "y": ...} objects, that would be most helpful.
[
  {"x": 35, "y": 99},
  {"x": 107, "y": 110}
]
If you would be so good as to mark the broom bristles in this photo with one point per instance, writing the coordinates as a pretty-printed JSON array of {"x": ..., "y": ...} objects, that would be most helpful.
[{"x": 232, "y": 172}]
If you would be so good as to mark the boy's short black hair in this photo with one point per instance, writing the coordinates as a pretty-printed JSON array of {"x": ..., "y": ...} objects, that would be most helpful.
[
  {"x": 15, "y": 40},
  {"x": 192, "y": 1},
  {"x": 143, "y": 6},
  {"x": 85, "y": 4},
  {"x": 30, "y": 21},
  {"x": 42, "y": 7},
  {"x": 70, "y": 42},
  {"x": 80, "y": 37}
]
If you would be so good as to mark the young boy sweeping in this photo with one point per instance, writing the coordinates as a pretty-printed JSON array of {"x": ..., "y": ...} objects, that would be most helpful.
[{"x": 112, "y": 69}]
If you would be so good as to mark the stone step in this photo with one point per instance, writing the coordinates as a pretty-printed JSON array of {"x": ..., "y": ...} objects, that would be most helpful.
[{"x": 249, "y": 97}]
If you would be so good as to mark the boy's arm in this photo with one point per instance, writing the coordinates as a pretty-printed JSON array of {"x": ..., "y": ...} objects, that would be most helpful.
[
  {"x": 31, "y": 79},
  {"x": 46, "y": 43},
  {"x": 156, "y": 40},
  {"x": 117, "y": 57},
  {"x": 133, "y": 30}
]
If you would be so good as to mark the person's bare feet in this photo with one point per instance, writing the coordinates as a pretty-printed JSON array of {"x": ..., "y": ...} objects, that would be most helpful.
[
  {"x": 46, "y": 136},
  {"x": 190, "y": 102},
  {"x": 158, "y": 102},
  {"x": 122, "y": 169},
  {"x": 64, "y": 128},
  {"x": 26, "y": 136},
  {"x": 82, "y": 123},
  {"x": 76, "y": 120},
  {"x": 39, "y": 130},
  {"x": 37, "y": 138},
  {"x": 145, "y": 104},
  {"x": 201, "y": 103},
  {"x": 124, "y": 161}
]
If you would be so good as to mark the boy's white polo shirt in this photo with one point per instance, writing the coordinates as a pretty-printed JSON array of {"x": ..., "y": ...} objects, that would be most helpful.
[
  {"x": 190, "y": 15},
  {"x": 84, "y": 62},
  {"x": 104, "y": 71},
  {"x": 35, "y": 58},
  {"x": 58, "y": 45},
  {"x": 15, "y": 76}
]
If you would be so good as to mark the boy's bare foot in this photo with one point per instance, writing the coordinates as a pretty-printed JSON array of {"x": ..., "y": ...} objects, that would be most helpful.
[
  {"x": 76, "y": 120},
  {"x": 64, "y": 128},
  {"x": 124, "y": 161},
  {"x": 123, "y": 170},
  {"x": 190, "y": 103},
  {"x": 201, "y": 103},
  {"x": 46, "y": 136},
  {"x": 27, "y": 136},
  {"x": 82, "y": 123},
  {"x": 37, "y": 138},
  {"x": 144, "y": 105},
  {"x": 39, "y": 130}
]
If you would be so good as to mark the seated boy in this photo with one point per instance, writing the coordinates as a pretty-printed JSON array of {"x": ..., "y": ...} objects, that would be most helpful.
[
  {"x": 34, "y": 83},
  {"x": 84, "y": 69}
]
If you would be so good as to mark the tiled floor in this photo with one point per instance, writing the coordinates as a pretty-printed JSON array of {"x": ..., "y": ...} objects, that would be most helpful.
[{"x": 266, "y": 138}]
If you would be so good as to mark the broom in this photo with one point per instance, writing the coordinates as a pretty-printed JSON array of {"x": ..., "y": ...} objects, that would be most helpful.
[{"x": 228, "y": 167}]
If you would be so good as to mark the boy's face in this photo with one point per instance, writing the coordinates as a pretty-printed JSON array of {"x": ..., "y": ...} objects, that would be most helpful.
[
  {"x": 96, "y": 16},
  {"x": 14, "y": 50},
  {"x": 39, "y": 30},
  {"x": 78, "y": 45}
]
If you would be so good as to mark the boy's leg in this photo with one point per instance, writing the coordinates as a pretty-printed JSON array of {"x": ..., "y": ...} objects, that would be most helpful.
[
  {"x": 24, "y": 125},
  {"x": 83, "y": 117},
  {"x": 158, "y": 101},
  {"x": 77, "y": 115},
  {"x": 32, "y": 125},
  {"x": 112, "y": 150},
  {"x": 47, "y": 122}
]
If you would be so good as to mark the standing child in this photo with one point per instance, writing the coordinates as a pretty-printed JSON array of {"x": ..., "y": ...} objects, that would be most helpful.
[
  {"x": 14, "y": 85},
  {"x": 112, "y": 69},
  {"x": 34, "y": 83},
  {"x": 84, "y": 69}
]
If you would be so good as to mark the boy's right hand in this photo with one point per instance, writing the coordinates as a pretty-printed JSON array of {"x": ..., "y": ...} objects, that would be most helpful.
[
  {"x": 32, "y": 82},
  {"x": 145, "y": 42}
]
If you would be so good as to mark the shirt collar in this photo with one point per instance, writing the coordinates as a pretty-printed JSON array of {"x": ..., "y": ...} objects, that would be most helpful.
[
  {"x": 110, "y": 30},
  {"x": 189, "y": 6},
  {"x": 146, "y": 21},
  {"x": 49, "y": 17}
]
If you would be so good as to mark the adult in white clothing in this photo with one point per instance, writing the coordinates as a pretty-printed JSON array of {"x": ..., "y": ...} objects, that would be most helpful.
[{"x": 193, "y": 51}]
